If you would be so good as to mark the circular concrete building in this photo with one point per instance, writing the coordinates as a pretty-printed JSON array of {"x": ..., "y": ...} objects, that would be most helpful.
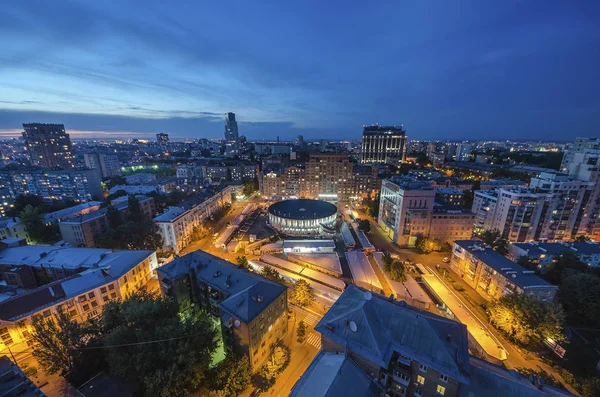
[{"x": 303, "y": 217}]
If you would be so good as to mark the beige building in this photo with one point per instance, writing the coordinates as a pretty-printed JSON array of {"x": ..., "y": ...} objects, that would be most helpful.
[
  {"x": 449, "y": 223},
  {"x": 329, "y": 177},
  {"x": 284, "y": 182},
  {"x": 97, "y": 276},
  {"x": 177, "y": 224}
]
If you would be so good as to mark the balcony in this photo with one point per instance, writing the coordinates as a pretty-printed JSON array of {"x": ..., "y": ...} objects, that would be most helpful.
[{"x": 401, "y": 376}]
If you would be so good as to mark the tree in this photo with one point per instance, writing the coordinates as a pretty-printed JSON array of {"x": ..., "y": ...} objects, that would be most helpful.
[
  {"x": 425, "y": 245},
  {"x": 232, "y": 376},
  {"x": 397, "y": 271},
  {"x": 387, "y": 258},
  {"x": 22, "y": 201},
  {"x": 591, "y": 387},
  {"x": 135, "y": 212},
  {"x": 582, "y": 239},
  {"x": 250, "y": 187},
  {"x": 527, "y": 262},
  {"x": 58, "y": 345},
  {"x": 364, "y": 225},
  {"x": 372, "y": 207},
  {"x": 302, "y": 293},
  {"x": 301, "y": 331},
  {"x": 114, "y": 217},
  {"x": 116, "y": 180},
  {"x": 527, "y": 320},
  {"x": 565, "y": 263},
  {"x": 271, "y": 274},
  {"x": 140, "y": 236},
  {"x": 242, "y": 262},
  {"x": 580, "y": 295},
  {"x": 149, "y": 342},
  {"x": 38, "y": 231},
  {"x": 493, "y": 239}
]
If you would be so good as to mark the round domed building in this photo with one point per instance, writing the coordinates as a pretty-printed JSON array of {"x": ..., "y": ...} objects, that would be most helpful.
[{"x": 303, "y": 217}]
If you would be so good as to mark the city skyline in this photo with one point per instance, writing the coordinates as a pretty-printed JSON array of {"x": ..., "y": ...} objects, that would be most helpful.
[{"x": 504, "y": 70}]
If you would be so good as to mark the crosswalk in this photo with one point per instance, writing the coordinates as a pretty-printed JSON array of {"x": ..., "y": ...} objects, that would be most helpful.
[
  {"x": 311, "y": 320},
  {"x": 314, "y": 340}
]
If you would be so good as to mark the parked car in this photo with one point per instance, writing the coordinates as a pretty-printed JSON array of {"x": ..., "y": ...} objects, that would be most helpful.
[{"x": 446, "y": 260}]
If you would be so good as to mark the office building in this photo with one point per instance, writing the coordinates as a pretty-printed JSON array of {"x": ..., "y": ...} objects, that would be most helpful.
[
  {"x": 493, "y": 275},
  {"x": 48, "y": 145},
  {"x": 408, "y": 209},
  {"x": 232, "y": 139},
  {"x": 251, "y": 309},
  {"x": 375, "y": 346},
  {"x": 108, "y": 164},
  {"x": 515, "y": 213},
  {"x": 381, "y": 143},
  {"x": 80, "y": 281},
  {"x": 162, "y": 138},
  {"x": 463, "y": 151},
  {"x": 329, "y": 177},
  {"x": 76, "y": 184},
  {"x": 177, "y": 224}
]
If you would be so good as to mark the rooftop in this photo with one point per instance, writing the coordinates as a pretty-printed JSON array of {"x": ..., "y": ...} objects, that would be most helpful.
[
  {"x": 303, "y": 209},
  {"x": 56, "y": 215},
  {"x": 242, "y": 287},
  {"x": 511, "y": 270},
  {"x": 384, "y": 327},
  {"x": 14, "y": 382}
]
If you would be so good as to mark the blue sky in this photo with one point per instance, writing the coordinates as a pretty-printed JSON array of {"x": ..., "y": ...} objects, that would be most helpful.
[{"x": 443, "y": 69}]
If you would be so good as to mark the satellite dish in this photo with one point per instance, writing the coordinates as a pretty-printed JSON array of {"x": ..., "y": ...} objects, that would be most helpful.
[
  {"x": 368, "y": 296},
  {"x": 353, "y": 326},
  {"x": 236, "y": 323}
]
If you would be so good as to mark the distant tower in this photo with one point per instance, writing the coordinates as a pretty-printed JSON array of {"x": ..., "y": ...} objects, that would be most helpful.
[
  {"x": 232, "y": 139},
  {"x": 49, "y": 146},
  {"x": 379, "y": 143},
  {"x": 162, "y": 139}
]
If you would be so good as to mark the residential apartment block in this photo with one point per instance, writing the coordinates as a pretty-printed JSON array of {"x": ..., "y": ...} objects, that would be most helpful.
[
  {"x": 177, "y": 224},
  {"x": 80, "y": 281},
  {"x": 108, "y": 164},
  {"x": 493, "y": 275},
  {"x": 86, "y": 229},
  {"x": 252, "y": 309},
  {"x": 48, "y": 145},
  {"x": 545, "y": 253},
  {"x": 373, "y": 346},
  {"x": 283, "y": 182},
  {"x": 329, "y": 177},
  {"x": 76, "y": 184}
]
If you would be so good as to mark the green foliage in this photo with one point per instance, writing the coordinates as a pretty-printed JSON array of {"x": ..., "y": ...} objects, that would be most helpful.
[
  {"x": 163, "y": 201},
  {"x": 302, "y": 293},
  {"x": 301, "y": 331},
  {"x": 580, "y": 295},
  {"x": 38, "y": 231},
  {"x": 279, "y": 360},
  {"x": 566, "y": 263},
  {"x": 493, "y": 239},
  {"x": 527, "y": 262},
  {"x": 231, "y": 377},
  {"x": 543, "y": 375},
  {"x": 364, "y": 225},
  {"x": 22, "y": 201},
  {"x": 372, "y": 207},
  {"x": 242, "y": 262},
  {"x": 446, "y": 247},
  {"x": 387, "y": 259},
  {"x": 177, "y": 364},
  {"x": 425, "y": 245},
  {"x": 114, "y": 217},
  {"x": 139, "y": 236},
  {"x": 591, "y": 387},
  {"x": 527, "y": 320},
  {"x": 396, "y": 270},
  {"x": 117, "y": 194},
  {"x": 250, "y": 187},
  {"x": 58, "y": 345},
  {"x": 271, "y": 274},
  {"x": 135, "y": 212},
  {"x": 115, "y": 181}
]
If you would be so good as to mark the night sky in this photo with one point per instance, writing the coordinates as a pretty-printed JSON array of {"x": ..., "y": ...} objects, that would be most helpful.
[{"x": 444, "y": 69}]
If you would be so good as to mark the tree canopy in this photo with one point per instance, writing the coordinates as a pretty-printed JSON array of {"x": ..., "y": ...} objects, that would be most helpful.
[
  {"x": 566, "y": 263},
  {"x": 364, "y": 225},
  {"x": 493, "y": 239},
  {"x": 580, "y": 295},
  {"x": 302, "y": 293},
  {"x": 271, "y": 274},
  {"x": 38, "y": 231}
]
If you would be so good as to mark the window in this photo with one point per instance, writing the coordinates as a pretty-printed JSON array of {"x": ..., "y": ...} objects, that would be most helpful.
[
  {"x": 113, "y": 295},
  {"x": 86, "y": 307},
  {"x": 103, "y": 290},
  {"x": 420, "y": 379},
  {"x": 423, "y": 368},
  {"x": 111, "y": 287},
  {"x": 105, "y": 298},
  {"x": 91, "y": 295},
  {"x": 94, "y": 304},
  {"x": 444, "y": 378},
  {"x": 47, "y": 313},
  {"x": 441, "y": 390},
  {"x": 73, "y": 313}
]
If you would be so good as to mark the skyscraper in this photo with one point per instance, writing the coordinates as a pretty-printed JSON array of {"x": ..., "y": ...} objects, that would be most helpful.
[
  {"x": 379, "y": 144},
  {"x": 162, "y": 138},
  {"x": 232, "y": 139},
  {"x": 49, "y": 146}
]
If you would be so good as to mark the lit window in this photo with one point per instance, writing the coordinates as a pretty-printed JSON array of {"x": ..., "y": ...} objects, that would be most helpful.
[
  {"x": 420, "y": 379},
  {"x": 441, "y": 390}
]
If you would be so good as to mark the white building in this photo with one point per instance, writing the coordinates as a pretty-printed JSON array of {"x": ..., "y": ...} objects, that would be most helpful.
[
  {"x": 177, "y": 224},
  {"x": 463, "y": 151},
  {"x": 108, "y": 164}
]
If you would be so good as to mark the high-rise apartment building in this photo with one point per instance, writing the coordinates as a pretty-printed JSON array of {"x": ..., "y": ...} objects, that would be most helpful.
[
  {"x": 108, "y": 164},
  {"x": 579, "y": 146},
  {"x": 463, "y": 151},
  {"x": 380, "y": 144},
  {"x": 284, "y": 182},
  {"x": 329, "y": 177},
  {"x": 232, "y": 139},
  {"x": 49, "y": 146},
  {"x": 162, "y": 138},
  {"x": 515, "y": 213}
]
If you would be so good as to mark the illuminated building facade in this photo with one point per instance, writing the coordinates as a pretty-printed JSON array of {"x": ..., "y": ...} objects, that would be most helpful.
[
  {"x": 303, "y": 217},
  {"x": 49, "y": 146}
]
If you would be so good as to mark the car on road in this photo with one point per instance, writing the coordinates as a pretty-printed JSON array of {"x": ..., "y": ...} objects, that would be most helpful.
[{"x": 446, "y": 260}]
